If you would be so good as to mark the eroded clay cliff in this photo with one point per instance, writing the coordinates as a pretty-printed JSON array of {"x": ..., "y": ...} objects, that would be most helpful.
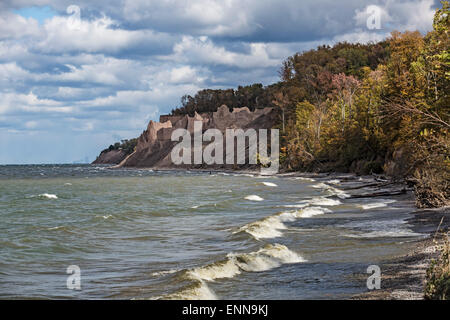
[{"x": 155, "y": 145}]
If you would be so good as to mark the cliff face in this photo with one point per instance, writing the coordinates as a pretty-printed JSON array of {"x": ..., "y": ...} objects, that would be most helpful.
[
  {"x": 110, "y": 157},
  {"x": 154, "y": 144}
]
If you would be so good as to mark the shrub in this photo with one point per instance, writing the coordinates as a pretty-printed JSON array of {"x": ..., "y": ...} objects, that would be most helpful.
[{"x": 438, "y": 275}]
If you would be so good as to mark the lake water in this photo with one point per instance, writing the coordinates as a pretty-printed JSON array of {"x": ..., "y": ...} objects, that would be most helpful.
[{"x": 143, "y": 234}]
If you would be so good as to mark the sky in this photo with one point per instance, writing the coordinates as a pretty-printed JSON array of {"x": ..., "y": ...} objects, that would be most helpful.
[{"x": 77, "y": 76}]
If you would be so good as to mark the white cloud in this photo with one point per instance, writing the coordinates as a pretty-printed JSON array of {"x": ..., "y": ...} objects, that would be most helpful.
[
  {"x": 203, "y": 51},
  {"x": 99, "y": 35},
  {"x": 13, "y": 26},
  {"x": 17, "y": 102}
]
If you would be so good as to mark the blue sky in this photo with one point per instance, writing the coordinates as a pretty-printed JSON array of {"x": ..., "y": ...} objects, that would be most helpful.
[
  {"x": 38, "y": 13},
  {"x": 72, "y": 85}
]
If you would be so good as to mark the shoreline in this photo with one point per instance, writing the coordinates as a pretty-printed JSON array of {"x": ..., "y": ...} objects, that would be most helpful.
[{"x": 403, "y": 277}]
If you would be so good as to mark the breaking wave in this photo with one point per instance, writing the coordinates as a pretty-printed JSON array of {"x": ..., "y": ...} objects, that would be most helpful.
[
  {"x": 332, "y": 191},
  {"x": 270, "y": 227},
  {"x": 321, "y": 201},
  {"x": 196, "y": 291},
  {"x": 269, "y": 257}
]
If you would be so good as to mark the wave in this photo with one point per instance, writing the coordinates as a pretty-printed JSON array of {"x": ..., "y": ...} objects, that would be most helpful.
[
  {"x": 48, "y": 196},
  {"x": 321, "y": 201},
  {"x": 65, "y": 229},
  {"x": 266, "y": 228},
  {"x": 270, "y": 227},
  {"x": 270, "y": 184},
  {"x": 379, "y": 228},
  {"x": 269, "y": 257},
  {"x": 299, "y": 205},
  {"x": 56, "y": 228},
  {"x": 304, "y": 179},
  {"x": 253, "y": 198},
  {"x": 332, "y": 191},
  {"x": 385, "y": 234},
  {"x": 378, "y": 204},
  {"x": 196, "y": 291},
  {"x": 313, "y": 211},
  {"x": 162, "y": 273},
  {"x": 222, "y": 269}
]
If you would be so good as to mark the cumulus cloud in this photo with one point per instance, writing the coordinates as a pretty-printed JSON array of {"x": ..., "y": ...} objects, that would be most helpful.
[{"x": 201, "y": 50}]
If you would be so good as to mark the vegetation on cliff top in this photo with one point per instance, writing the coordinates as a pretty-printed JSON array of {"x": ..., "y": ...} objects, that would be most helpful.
[{"x": 126, "y": 145}]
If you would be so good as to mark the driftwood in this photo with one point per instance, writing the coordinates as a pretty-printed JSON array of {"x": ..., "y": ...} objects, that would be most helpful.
[{"x": 378, "y": 194}]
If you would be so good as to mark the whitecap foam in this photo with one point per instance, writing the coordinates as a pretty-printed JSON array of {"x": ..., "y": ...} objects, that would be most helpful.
[
  {"x": 266, "y": 228},
  {"x": 378, "y": 204},
  {"x": 334, "y": 181},
  {"x": 321, "y": 201},
  {"x": 312, "y": 211},
  {"x": 254, "y": 198},
  {"x": 380, "y": 228},
  {"x": 270, "y": 227},
  {"x": 332, "y": 191},
  {"x": 269, "y": 257},
  {"x": 48, "y": 196},
  {"x": 164, "y": 272},
  {"x": 56, "y": 228},
  {"x": 304, "y": 179},
  {"x": 270, "y": 184}
]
